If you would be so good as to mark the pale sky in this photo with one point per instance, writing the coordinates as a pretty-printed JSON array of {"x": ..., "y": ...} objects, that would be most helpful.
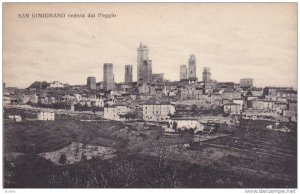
[{"x": 257, "y": 40}]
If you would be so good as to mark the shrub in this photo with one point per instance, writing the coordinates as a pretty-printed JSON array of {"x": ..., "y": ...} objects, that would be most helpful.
[{"x": 63, "y": 159}]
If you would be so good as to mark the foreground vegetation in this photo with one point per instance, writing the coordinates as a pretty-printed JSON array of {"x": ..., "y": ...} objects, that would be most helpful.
[{"x": 134, "y": 167}]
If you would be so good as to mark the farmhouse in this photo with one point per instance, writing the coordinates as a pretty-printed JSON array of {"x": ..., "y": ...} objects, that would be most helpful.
[
  {"x": 184, "y": 124},
  {"x": 16, "y": 118},
  {"x": 45, "y": 116}
]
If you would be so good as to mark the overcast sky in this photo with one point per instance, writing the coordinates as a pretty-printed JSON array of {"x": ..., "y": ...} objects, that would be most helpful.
[{"x": 235, "y": 40}]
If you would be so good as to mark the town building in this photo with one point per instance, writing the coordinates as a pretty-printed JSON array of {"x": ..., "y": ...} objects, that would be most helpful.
[
  {"x": 157, "y": 77},
  {"x": 292, "y": 105},
  {"x": 289, "y": 110},
  {"x": 123, "y": 87},
  {"x": 97, "y": 102},
  {"x": 255, "y": 114},
  {"x": 192, "y": 74},
  {"x": 91, "y": 83},
  {"x": 231, "y": 94},
  {"x": 116, "y": 112},
  {"x": 56, "y": 84},
  {"x": 232, "y": 108},
  {"x": 238, "y": 101},
  {"x": 291, "y": 115},
  {"x": 158, "y": 112},
  {"x": 45, "y": 115},
  {"x": 191, "y": 92},
  {"x": 183, "y": 72},
  {"x": 144, "y": 88},
  {"x": 210, "y": 86},
  {"x": 206, "y": 75},
  {"x": 246, "y": 83},
  {"x": 263, "y": 104},
  {"x": 225, "y": 85},
  {"x": 280, "y": 107},
  {"x": 108, "y": 76},
  {"x": 128, "y": 73},
  {"x": 257, "y": 91},
  {"x": 273, "y": 91},
  {"x": 78, "y": 97}
]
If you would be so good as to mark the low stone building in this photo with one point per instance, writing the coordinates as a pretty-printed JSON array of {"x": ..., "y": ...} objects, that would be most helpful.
[
  {"x": 230, "y": 95},
  {"x": 279, "y": 107},
  {"x": 257, "y": 91},
  {"x": 16, "y": 118},
  {"x": 45, "y": 115},
  {"x": 183, "y": 124}
]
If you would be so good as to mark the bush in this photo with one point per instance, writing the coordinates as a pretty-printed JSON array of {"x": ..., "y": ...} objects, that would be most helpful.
[
  {"x": 83, "y": 157},
  {"x": 63, "y": 159}
]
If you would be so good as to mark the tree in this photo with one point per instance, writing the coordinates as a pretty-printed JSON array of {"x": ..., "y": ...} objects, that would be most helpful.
[
  {"x": 63, "y": 159},
  {"x": 161, "y": 174},
  {"x": 77, "y": 150},
  {"x": 129, "y": 115},
  {"x": 194, "y": 108},
  {"x": 83, "y": 157},
  {"x": 175, "y": 125},
  {"x": 191, "y": 130}
]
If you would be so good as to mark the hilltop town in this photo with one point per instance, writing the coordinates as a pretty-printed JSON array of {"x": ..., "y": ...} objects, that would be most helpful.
[
  {"x": 230, "y": 128},
  {"x": 154, "y": 99}
]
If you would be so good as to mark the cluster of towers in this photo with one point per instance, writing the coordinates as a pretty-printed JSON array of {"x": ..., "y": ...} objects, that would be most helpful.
[
  {"x": 144, "y": 66},
  {"x": 190, "y": 73},
  {"x": 144, "y": 71},
  {"x": 108, "y": 78}
]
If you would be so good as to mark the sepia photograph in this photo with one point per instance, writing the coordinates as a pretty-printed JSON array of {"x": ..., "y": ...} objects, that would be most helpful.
[{"x": 149, "y": 95}]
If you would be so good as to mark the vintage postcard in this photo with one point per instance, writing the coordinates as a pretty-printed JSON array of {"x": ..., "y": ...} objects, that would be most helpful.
[{"x": 150, "y": 95}]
